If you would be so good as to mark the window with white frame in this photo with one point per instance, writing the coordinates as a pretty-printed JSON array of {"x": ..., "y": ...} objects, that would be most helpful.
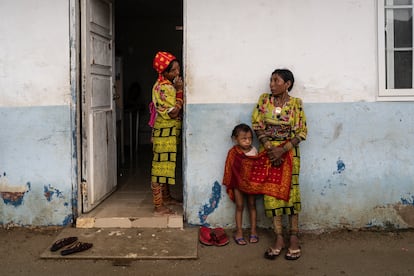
[{"x": 395, "y": 49}]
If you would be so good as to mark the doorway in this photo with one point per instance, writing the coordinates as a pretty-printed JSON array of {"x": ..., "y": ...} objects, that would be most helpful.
[{"x": 142, "y": 28}]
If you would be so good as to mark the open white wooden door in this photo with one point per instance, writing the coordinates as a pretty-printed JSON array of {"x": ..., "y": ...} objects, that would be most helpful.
[{"x": 98, "y": 105}]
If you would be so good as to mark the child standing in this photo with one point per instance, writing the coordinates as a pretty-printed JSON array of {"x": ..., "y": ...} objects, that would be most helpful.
[{"x": 242, "y": 136}]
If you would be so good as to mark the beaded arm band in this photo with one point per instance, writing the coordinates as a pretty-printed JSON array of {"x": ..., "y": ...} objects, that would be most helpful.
[
  {"x": 263, "y": 139},
  {"x": 288, "y": 146}
]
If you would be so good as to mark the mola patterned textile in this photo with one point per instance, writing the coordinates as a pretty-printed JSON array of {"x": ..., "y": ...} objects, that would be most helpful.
[
  {"x": 256, "y": 175},
  {"x": 166, "y": 134}
]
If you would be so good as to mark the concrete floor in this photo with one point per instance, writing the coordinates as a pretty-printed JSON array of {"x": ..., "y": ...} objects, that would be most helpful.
[{"x": 130, "y": 206}]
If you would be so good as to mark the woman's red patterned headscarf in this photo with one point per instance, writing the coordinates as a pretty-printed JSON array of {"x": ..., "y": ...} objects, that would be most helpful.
[{"x": 161, "y": 62}]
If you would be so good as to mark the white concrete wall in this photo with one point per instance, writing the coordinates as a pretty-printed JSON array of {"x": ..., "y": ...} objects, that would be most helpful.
[
  {"x": 356, "y": 171},
  {"x": 36, "y": 136},
  {"x": 34, "y": 53},
  {"x": 232, "y": 47}
]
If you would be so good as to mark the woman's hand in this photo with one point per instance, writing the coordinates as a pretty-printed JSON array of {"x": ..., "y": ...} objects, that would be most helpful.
[
  {"x": 275, "y": 155},
  {"x": 175, "y": 112},
  {"x": 178, "y": 83}
]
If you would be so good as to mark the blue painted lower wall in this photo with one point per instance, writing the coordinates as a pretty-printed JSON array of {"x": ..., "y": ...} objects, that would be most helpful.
[
  {"x": 357, "y": 168},
  {"x": 357, "y": 165},
  {"x": 36, "y": 166}
]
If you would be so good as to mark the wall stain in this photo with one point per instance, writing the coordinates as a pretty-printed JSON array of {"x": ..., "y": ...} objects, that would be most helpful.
[
  {"x": 409, "y": 200},
  {"x": 340, "y": 166},
  {"x": 214, "y": 200},
  {"x": 406, "y": 212},
  {"x": 50, "y": 191},
  {"x": 12, "y": 195},
  {"x": 338, "y": 130},
  {"x": 68, "y": 220},
  {"x": 13, "y": 198}
]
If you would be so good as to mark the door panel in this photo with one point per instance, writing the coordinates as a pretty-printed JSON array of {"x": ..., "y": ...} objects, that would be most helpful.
[{"x": 98, "y": 107}]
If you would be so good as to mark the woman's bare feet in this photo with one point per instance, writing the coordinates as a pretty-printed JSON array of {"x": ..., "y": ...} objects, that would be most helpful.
[
  {"x": 163, "y": 210},
  {"x": 172, "y": 201}
]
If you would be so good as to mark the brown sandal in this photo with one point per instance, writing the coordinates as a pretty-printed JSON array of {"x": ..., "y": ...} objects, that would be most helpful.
[
  {"x": 77, "y": 247},
  {"x": 62, "y": 243}
]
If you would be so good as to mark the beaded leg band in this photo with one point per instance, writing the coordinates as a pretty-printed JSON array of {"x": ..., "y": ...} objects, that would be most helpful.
[
  {"x": 165, "y": 192},
  {"x": 294, "y": 224},
  {"x": 156, "y": 194},
  {"x": 277, "y": 225}
]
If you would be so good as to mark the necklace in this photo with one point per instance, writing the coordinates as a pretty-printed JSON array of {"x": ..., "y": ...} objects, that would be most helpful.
[
  {"x": 278, "y": 110},
  {"x": 280, "y": 100}
]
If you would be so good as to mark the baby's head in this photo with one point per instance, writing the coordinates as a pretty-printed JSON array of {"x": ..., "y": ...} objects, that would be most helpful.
[{"x": 242, "y": 135}]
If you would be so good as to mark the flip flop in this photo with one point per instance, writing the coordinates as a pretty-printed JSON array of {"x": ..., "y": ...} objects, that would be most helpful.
[
  {"x": 253, "y": 239},
  {"x": 77, "y": 247},
  {"x": 240, "y": 241},
  {"x": 271, "y": 253},
  {"x": 205, "y": 236},
  {"x": 62, "y": 243},
  {"x": 293, "y": 255},
  {"x": 219, "y": 237}
]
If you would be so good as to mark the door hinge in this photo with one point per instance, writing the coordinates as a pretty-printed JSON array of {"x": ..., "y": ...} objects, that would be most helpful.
[{"x": 84, "y": 188}]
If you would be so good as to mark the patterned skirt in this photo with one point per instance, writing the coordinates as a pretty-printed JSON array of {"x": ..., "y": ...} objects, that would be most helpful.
[
  {"x": 274, "y": 206},
  {"x": 165, "y": 138}
]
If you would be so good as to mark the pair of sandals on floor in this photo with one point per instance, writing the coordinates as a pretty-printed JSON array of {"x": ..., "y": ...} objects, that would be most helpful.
[
  {"x": 242, "y": 241},
  {"x": 291, "y": 254},
  {"x": 72, "y": 246}
]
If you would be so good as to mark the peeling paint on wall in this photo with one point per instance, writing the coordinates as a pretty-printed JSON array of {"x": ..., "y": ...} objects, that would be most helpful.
[
  {"x": 36, "y": 172},
  {"x": 12, "y": 195},
  {"x": 214, "y": 200},
  {"x": 12, "y": 198},
  {"x": 392, "y": 216},
  {"x": 50, "y": 191},
  {"x": 406, "y": 213},
  {"x": 68, "y": 219},
  {"x": 409, "y": 200}
]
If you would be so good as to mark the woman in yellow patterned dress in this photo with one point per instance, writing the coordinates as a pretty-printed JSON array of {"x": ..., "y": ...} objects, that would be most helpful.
[
  {"x": 280, "y": 125},
  {"x": 167, "y": 100}
]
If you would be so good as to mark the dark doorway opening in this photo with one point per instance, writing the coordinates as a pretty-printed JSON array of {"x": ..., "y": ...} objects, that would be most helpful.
[{"x": 142, "y": 28}]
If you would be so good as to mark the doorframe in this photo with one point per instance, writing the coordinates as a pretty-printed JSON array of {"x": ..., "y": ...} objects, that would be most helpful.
[{"x": 75, "y": 72}]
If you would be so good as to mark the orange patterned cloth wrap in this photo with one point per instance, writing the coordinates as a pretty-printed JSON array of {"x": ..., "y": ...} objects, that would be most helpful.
[
  {"x": 256, "y": 175},
  {"x": 162, "y": 60}
]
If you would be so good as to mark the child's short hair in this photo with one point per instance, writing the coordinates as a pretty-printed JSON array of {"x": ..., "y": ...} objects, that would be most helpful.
[{"x": 241, "y": 127}]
